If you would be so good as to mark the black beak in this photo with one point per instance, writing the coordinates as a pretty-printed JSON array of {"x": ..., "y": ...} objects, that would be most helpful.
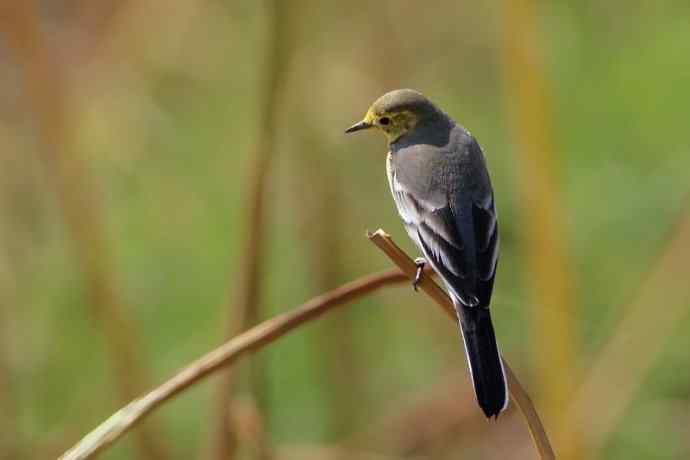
[{"x": 358, "y": 127}]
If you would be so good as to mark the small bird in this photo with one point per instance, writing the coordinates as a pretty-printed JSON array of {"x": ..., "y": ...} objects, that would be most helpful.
[{"x": 440, "y": 184}]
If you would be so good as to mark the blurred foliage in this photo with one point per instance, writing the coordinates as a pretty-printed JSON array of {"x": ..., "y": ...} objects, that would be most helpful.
[{"x": 165, "y": 101}]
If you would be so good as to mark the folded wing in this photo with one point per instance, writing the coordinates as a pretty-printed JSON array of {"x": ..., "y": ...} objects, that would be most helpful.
[{"x": 458, "y": 237}]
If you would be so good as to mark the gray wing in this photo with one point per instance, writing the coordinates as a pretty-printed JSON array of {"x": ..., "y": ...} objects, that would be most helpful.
[{"x": 457, "y": 234}]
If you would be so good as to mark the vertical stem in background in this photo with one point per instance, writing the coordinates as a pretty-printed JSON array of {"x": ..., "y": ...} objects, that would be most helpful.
[
  {"x": 318, "y": 201},
  {"x": 47, "y": 97},
  {"x": 548, "y": 265},
  {"x": 336, "y": 337},
  {"x": 244, "y": 310}
]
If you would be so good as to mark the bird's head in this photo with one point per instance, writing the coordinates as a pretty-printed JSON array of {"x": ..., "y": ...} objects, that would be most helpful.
[{"x": 397, "y": 113}]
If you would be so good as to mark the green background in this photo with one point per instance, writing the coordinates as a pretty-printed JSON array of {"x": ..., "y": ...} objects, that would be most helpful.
[{"x": 167, "y": 102}]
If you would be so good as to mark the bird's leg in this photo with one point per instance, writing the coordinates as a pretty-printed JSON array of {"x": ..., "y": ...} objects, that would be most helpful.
[{"x": 420, "y": 262}]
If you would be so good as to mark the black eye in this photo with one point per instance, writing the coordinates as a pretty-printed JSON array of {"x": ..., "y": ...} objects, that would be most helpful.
[{"x": 385, "y": 121}]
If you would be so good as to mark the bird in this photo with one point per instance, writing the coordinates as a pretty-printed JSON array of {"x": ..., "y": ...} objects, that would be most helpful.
[{"x": 441, "y": 187}]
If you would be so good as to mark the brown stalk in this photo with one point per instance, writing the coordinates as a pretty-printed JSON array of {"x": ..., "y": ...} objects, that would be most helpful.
[
  {"x": 244, "y": 310},
  {"x": 337, "y": 333},
  {"x": 316, "y": 193},
  {"x": 548, "y": 263},
  {"x": 47, "y": 93},
  {"x": 429, "y": 286},
  {"x": 255, "y": 338}
]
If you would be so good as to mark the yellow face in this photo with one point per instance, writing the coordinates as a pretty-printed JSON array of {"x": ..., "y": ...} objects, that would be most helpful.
[{"x": 392, "y": 124}]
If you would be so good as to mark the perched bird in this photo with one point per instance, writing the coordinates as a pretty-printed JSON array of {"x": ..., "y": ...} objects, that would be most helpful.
[{"x": 441, "y": 187}]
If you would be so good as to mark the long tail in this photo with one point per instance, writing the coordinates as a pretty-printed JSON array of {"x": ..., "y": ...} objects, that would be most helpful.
[{"x": 484, "y": 359}]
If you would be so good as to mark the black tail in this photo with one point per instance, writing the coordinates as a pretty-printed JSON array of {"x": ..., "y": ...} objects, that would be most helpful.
[{"x": 484, "y": 359}]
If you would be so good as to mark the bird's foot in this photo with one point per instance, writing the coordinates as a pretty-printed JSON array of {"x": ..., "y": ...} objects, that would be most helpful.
[{"x": 420, "y": 262}]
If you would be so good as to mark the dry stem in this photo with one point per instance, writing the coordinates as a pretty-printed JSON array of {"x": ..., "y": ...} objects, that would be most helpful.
[
  {"x": 517, "y": 392},
  {"x": 244, "y": 311}
]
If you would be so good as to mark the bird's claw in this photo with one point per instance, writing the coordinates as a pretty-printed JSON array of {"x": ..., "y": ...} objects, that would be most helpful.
[{"x": 420, "y": 262}]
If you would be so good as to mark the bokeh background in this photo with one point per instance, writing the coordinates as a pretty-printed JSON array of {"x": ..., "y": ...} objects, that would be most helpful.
[{"x": 173, "y": 172}]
